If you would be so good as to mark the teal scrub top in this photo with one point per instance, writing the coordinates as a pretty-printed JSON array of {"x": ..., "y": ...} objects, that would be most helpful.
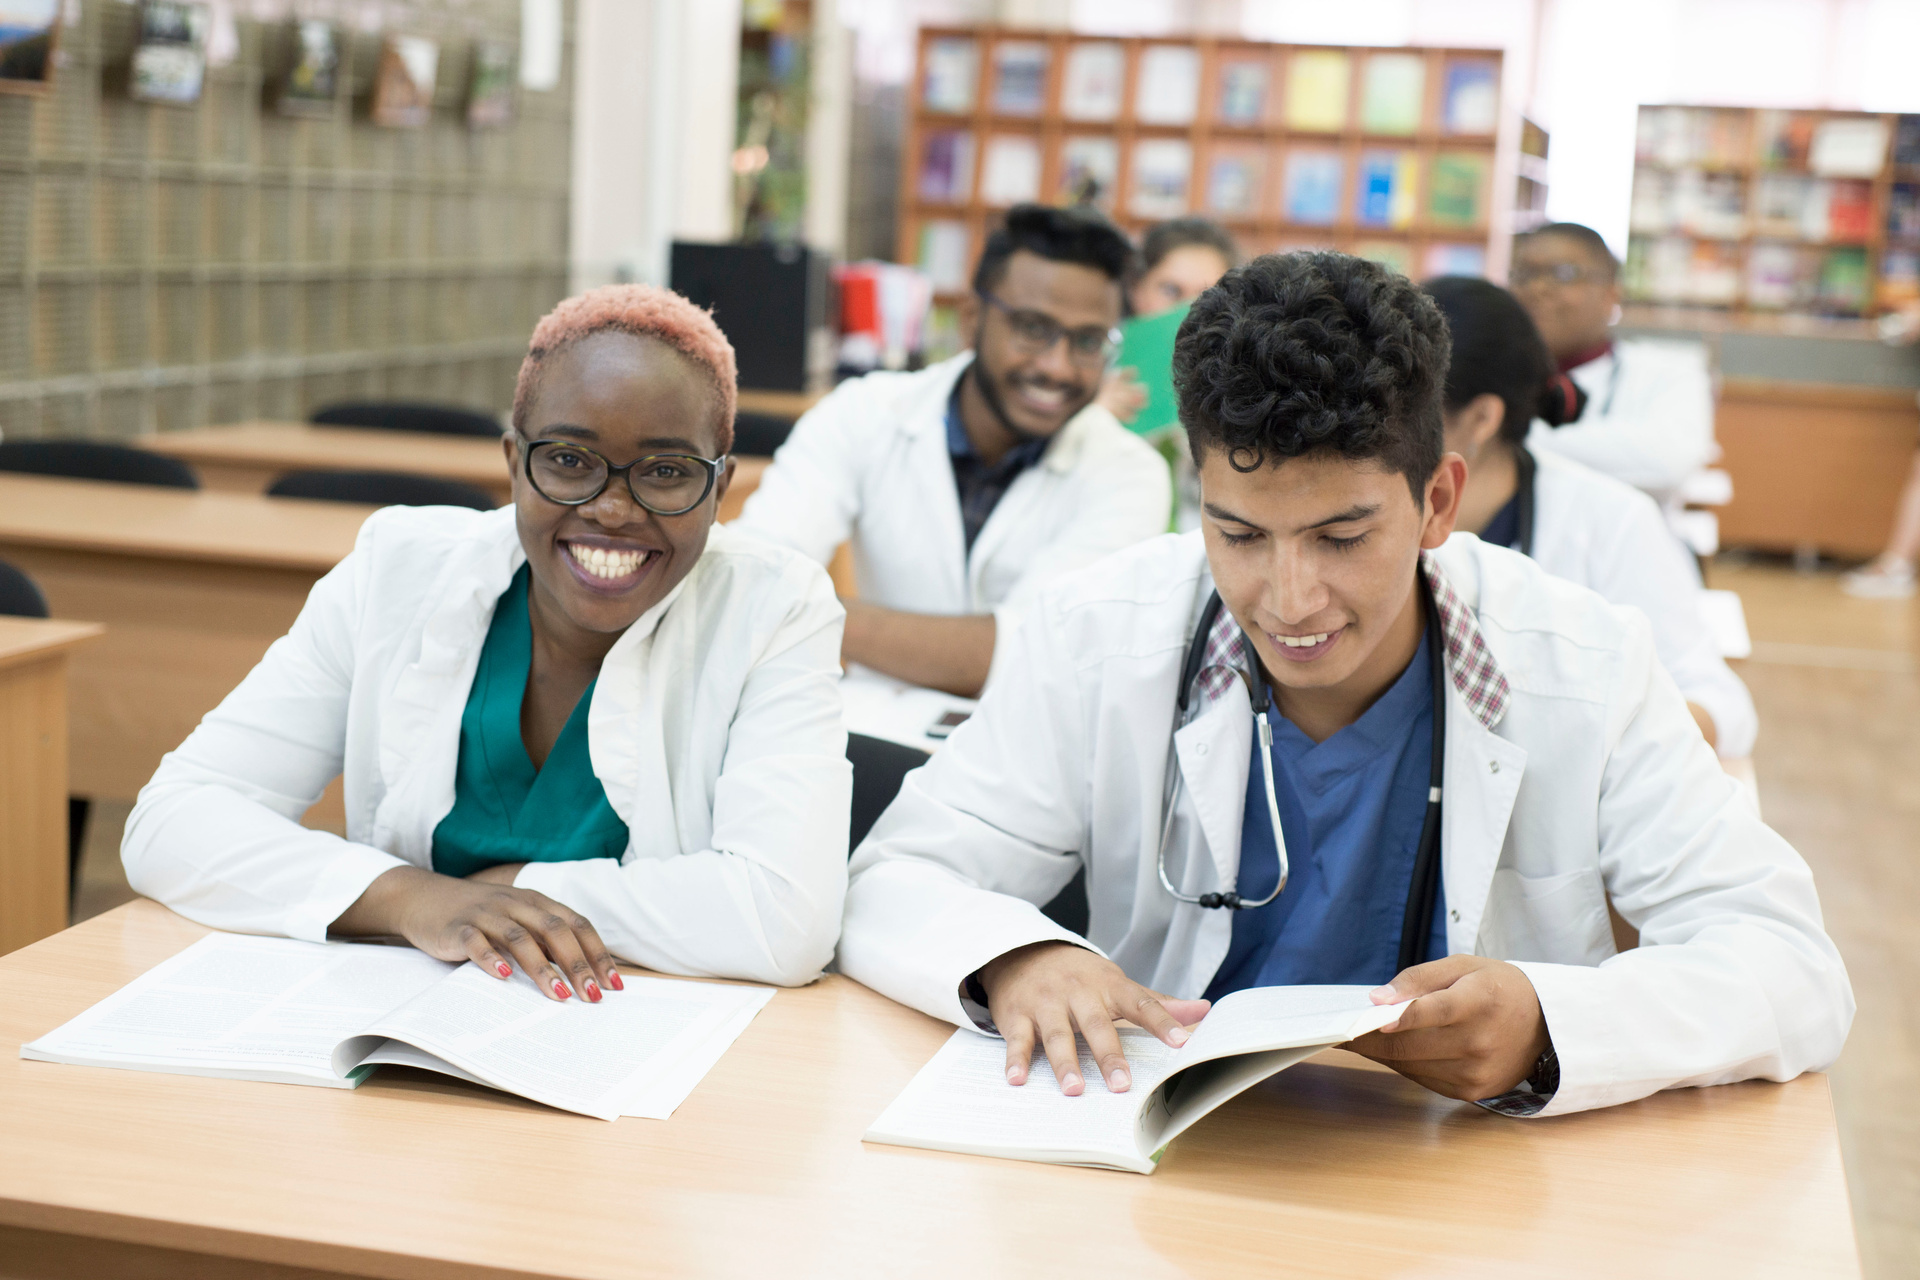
[{"x": 504, "y": 809}]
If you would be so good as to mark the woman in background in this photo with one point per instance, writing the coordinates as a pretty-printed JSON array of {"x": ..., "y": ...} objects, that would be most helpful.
[
  {"x": 1577, "y": 523},
  {"x": 587, "y": 725},
  {"x": 1179, "y": 261}
]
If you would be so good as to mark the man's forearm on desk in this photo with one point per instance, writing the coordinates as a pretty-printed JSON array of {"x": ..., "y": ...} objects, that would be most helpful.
[{"x": 951, "y": 653}]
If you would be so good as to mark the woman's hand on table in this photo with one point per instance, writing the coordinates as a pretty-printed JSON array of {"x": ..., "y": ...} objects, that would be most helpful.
[{"x": 485, "y": 919}]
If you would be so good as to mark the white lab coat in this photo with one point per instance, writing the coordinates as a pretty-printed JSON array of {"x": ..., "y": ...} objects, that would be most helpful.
[
  {"x": 1594, "y": 784},
  {"x": 1649, "y": 416},
  {"x": 870, "y": 463},
  {"x": 1592, "y": 529},
  {"x": 714, "y": 727}
]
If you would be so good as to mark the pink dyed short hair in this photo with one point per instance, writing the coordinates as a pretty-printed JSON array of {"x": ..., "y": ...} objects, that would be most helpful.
[{"x": 645, "y": 311}]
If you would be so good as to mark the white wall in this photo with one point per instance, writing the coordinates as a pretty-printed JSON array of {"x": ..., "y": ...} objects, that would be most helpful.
[{"x": 655, "y": 84}]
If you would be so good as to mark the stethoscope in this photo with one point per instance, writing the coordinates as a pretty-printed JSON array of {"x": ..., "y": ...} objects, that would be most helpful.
[
  {"x": 1524, "y": 468},
  {"x": 1426, "y": 863}
]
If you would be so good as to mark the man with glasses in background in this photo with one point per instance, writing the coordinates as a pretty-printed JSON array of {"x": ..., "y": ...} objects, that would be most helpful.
[
  {"x": 1649, "y": 413},
  {"x": 967, "y": 486}
]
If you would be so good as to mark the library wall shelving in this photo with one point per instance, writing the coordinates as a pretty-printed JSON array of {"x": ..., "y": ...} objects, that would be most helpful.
[
  {"x": 1393, "y": 153},
  {"x": 1768, "y": 214}
]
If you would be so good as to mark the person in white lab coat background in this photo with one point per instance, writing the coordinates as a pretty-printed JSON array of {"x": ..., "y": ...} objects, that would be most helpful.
[
  {"x": 586, "y": 725},
  {"x": 1319, "y": 742},
  {"x": 967, "y": 486},
  {"x": 1648, "y": 420},
  {"x": 1578, "y": 524}
]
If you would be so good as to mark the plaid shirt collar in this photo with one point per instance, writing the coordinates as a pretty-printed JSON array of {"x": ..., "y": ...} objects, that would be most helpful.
[{"x": 1470, "y": 663}]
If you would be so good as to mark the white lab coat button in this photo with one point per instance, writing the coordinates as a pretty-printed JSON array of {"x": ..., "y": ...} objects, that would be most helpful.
[
  {"x": 1493, "y": 766},
  {"x": 1455, "y": 913},
  {"x": 1199, "y": 748}
]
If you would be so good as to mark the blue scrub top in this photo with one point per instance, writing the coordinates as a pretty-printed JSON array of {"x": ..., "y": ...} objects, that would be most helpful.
[
  {"x": 1352, "y": 808},
  {"x": 504, "y": 809}
]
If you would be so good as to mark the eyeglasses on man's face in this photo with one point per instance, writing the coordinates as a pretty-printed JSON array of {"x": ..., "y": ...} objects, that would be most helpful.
[
  {"x": 1524, "y": 274},
  {"x": 572, "y": 475},
  {"x": 1033, "y": 333}
]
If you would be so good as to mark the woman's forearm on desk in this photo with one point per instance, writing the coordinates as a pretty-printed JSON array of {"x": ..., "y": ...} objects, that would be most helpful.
[{"x": 936, "y": 651}]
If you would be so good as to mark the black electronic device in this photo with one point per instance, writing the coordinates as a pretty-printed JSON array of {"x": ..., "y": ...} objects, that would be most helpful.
[{"x": 768, "y": 298}]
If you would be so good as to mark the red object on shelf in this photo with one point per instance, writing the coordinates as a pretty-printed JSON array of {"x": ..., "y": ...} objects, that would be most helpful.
[{"x": 859, "y": 301}]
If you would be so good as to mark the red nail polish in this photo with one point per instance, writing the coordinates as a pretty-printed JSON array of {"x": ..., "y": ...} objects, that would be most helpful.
[
  {"x": 613, "y": 980},
  {"x": 592, "y": 989},
  {"x": 560, "y": 989},
  {"x": 504, "y": 969}
]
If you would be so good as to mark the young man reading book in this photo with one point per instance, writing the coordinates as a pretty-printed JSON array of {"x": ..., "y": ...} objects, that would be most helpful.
[{"x": 1320, "y": 742}]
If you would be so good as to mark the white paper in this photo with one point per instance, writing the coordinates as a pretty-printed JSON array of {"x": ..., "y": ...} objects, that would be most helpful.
[
  {"x": 1260, "y": 1018},
  {"x": 578, "y": 1056},
  {"x": 237, "y": 1005},
  {"x": 882, "y": 707},
  {"x": 658, "y": 1097}
]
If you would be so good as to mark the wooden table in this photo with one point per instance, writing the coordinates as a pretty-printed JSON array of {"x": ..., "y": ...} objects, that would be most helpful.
[
  {"x": 192, "y": 588},
  {"x": 33, "y": 775},
  {"x": 1324, "y": 1171},
  {"x": 247, "y": 457}
]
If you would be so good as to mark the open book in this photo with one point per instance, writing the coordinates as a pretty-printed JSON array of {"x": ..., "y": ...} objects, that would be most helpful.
[
  {"x": 273, "y": 1009},
  {"x": 961, "y": 1101}
]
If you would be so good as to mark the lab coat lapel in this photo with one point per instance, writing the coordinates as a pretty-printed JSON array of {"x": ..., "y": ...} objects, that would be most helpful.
[
  {"x": 927, "y": 502},
  {"x": 1215, "y": 750},
  {"x": 1483, "y": 772}
]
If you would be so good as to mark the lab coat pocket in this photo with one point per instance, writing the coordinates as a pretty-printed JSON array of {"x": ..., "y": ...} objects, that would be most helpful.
[{"x": 1558, "y": 919}]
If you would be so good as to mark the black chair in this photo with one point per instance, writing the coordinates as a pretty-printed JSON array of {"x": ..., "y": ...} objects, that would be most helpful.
[
  {"x": 400, "y": 415},
  {"x": 92, "y": 460},
  {"x": 757, "y": 435},
  {"x": 879, "y": 767},
  {"x": 383, "y": 489},
  {"x": 20, "y": 597}
]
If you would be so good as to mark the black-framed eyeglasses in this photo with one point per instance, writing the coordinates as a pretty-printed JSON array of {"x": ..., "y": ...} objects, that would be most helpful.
[
  {"x": 1557, "y": 272},
  {"x": 1035, "y": 332},
  {"x": 667, "y": 484}
]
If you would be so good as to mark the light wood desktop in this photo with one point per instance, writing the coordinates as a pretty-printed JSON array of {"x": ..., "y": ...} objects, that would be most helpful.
[
  {"x": 247, "y": 457},
  {"x": 192, "y": 587},
  {"x": 1327, "y": 1170},
  {"x": 33, "y": 775}
]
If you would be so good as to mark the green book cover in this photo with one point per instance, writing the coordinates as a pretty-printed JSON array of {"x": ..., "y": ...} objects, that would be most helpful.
[{"x": 1146, "y": 346}]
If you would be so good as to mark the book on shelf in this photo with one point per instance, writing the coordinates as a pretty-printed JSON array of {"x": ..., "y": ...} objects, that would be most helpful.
[
  {"x": 1316, "y": 89},
  {"x": 1243, "y": 92},
  {"x": 1783, "y": 138},
  {"x": 1714, "y": 274},
  {"x": 1712, "y": 204},
  {"x": 1783, "y": 204},
  {"x": 952, "y": 74},
  {"x": 1233, "y": 181},
  {"x": 1677, "y": 136},
  {"x": 1169, "y": 89},
  {"x": 1457, "y": 193},
  {"x": 1849, "y": 210},
  {"x": 1096, "y": 76},
  {"x": 946, "y": 167},
  {"x": 1844, "y": 281},
  {"x": 239, "y": 1007},
  {"x": 1392, "y": 93},
  {"x": 1311, "y": 193},
  {"x": 1470, "y": 96},
  {"x": 1899, "y": 277},
  {"x": 1394, "y": 255},
  {"x": 961, "y": 1101},
  {"x": 1781, "y": 277},
  {"x": 1848, "y": 147},
  {"x": 1010, "y": 172},
  {"x": 1383, "y": 193},
  {"x": 1906, "y": 141},
  {"x": 1903, "y": 211},
  {"x": 1444, "y": 259},
  {"x": 1019, "y": 78},
  {"x": 1089, "y": 171},
  {"x": 1162, "y": 168},
  {"x": 943, "y": 254}
]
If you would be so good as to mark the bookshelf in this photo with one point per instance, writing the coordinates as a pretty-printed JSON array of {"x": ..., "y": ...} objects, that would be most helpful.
[
  {"x": 1775, "y": 213},
  {"x": 1386, "y": 152}
]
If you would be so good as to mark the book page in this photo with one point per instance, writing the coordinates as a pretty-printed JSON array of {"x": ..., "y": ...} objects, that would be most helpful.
[
  {"x": 242, "y": 1006},
  {"x": 589, "y": 1058},
  {"x": 961, "y": 1101},
  {"x": 659, "y": 1095},
  {"x": 1261, "y": 1018}
]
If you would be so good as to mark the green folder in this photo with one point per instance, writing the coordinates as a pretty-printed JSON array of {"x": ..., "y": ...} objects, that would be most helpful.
[{"x": 1146, "y": 346}]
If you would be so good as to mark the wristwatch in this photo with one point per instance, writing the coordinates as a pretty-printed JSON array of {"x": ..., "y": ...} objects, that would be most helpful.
[{"x": 1544, "y": 1079}]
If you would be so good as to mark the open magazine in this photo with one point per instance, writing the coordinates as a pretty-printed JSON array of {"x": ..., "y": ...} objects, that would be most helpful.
[
  {"x": 274, "y": 1009},
  {"x": 961, "y": 1101}
]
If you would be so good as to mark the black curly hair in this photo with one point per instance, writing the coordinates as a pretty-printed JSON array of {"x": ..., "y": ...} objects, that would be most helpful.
[{"x": 1298, "y": 353}]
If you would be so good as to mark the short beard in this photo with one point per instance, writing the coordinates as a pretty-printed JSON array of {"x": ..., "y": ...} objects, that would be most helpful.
[{"x": 991, "y": 395}]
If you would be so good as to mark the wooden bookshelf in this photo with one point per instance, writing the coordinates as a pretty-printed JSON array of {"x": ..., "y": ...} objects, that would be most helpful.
[
  {"x": 1734, "y": 211},
  {"x": 952, "y": 187}
]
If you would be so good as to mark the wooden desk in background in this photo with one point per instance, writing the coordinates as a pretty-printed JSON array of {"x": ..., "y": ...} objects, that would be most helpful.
[
  {"x": 247, "y": 457},
  {"x": 1327, "y": 1170},
  {"x": 33, "y": 776},
  {"x": 192, "y": 588}
]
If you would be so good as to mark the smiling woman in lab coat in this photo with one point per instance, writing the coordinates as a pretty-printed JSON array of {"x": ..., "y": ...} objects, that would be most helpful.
[
  {"x": 587, "y": 725},
  {"x": 1460, "y": 758}
]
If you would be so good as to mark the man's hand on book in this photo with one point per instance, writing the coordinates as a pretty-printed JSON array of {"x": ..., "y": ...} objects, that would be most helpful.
[
  {"x": 1474, "y": 1029},
  {"x": 490, "y": 923},
  {"x": 1039, "y": 994}
]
